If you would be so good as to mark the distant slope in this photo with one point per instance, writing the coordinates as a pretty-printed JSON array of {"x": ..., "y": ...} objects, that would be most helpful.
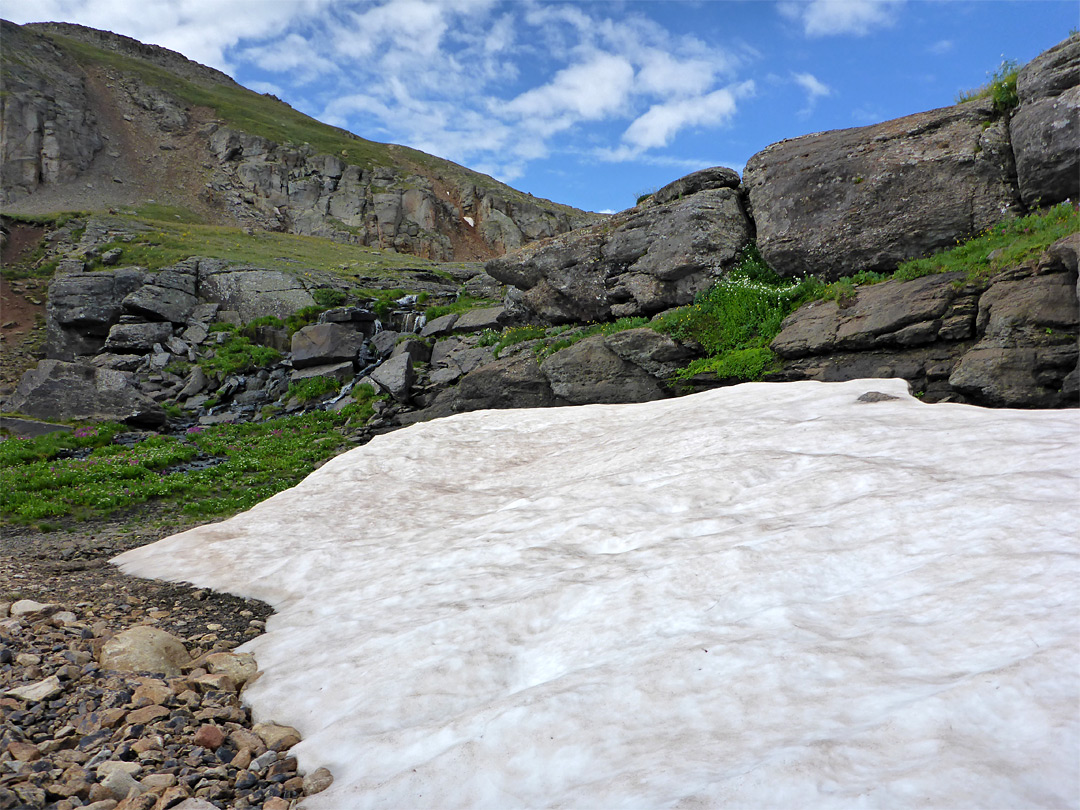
[{"x": 94, "y": 120}]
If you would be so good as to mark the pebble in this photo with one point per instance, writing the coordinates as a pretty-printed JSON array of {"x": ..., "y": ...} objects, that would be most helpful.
[{"x": 75, "y": 733}]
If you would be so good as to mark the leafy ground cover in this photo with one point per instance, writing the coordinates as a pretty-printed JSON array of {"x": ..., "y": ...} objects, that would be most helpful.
[
  {"x": 157, "y": 243},
  {"x": 208, "y": 472}
]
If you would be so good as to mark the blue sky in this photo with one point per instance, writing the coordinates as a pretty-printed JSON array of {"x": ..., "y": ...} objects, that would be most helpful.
[{"x": 591, "y": 103}]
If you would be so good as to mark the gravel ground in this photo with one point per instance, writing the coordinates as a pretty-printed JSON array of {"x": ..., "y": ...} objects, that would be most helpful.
[{"x": 113, "y": 739}]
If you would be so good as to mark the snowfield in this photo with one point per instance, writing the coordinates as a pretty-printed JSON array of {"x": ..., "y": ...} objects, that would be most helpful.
[{"x": 771, "y": 595}]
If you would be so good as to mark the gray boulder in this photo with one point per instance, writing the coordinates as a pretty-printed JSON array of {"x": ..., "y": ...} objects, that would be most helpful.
[
  {"x": 137, "y": 338},
  {"x": 476, "y": 320},
  {"x": 60, "y": 390},
  {"x": 1046, "y": 127},
  {"x": 588, "y": 372},
  {"x": 838, "y": 202},
  {"x": 252, "y": 291},
  {"x": 638, "y": 262},
  {"x": 169, "y": 296},
  {"x": 396, "y": 376},
  {"x": 342, "y": 372},
  {"x": 83, "y": 306},
  {"x": 323, "y": 343},
  {"x": 894, "y": 313},
  {"x": 511, "y": 382}
]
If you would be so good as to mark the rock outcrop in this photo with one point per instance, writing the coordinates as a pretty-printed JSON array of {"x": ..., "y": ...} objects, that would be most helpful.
[
  {"x": 835, "y": 203},
  {"x": 1046, "y": 127},
  {"x": 50, "y": 133},
  {"x": 639, "y": 262},
  {"x": 1010, "y": 341},
  {"x": 398, "y": 199},
  {"x": 59, "y": 390}
]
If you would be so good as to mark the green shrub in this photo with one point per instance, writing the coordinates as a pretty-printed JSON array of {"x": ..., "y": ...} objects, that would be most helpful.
[
  {"x": 1001, "y": 88},
  {"x": 326, "y": 297},
  {"x": 303, "y": 317},
  {"x": 238, "y": 354},
  {"x": 313, "y": 388},
  {"x": 513, "y": 335},
  {"x": 735, "y": 320},
  {"x": 463, "y": 304}
]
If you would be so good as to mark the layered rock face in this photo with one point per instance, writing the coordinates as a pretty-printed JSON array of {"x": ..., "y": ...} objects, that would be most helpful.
[
  {"x": 1010, "y": 341},
  {"x": 50, "y": 133},
  {"x": 298, "y": 190},
  {"x": 639, "y": 262},
  {"x": 835, "y": 203},
  {"x": 1046, "y": 127}
]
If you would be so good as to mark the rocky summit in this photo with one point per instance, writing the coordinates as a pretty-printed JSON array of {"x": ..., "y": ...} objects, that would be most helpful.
[{"x": 199, "y": 312}]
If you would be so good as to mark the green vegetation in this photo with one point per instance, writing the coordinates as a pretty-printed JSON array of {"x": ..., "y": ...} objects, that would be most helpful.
[
  {"x": 463, "y": 304},
  {"x": 1006, "y": 244},
  {"x": 168, "y": 213},
  {"x": 366, "y": 398},
  {"x": 39, "y": 480},
  {"x": 313, "y": 388},
  {"x": 237, "y": 354},
  {"x": 621, "y": 325},
  {"x": 735, "y": 320},
  {"x": 513, "y": 335},
  {"x": 155, "y": 244},
  {"x": 1001, "y": 88},
  {"x": 328, "y": 298}
]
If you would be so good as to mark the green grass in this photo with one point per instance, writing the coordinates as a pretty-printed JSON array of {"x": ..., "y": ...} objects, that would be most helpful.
[
  {"x": 621, "y": 325},
  {"x": 258, "y": 459},
  {"x": 1001, "y": 88},
  {"x": 512, "y": 335},
  {"x": 237, "y": 354},
  {"x": 168, "y": 213},
  {"x": 156, "y": 243},
  {"x": 313, "y": 388},
  {"x": 1005, "y": 245},
  {"x": 463, "y": 304},
  {"x": 734, "y": 321}
]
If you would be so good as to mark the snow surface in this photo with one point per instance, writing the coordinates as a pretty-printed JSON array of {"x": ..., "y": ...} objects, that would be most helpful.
[{"x": 770, "y": 595}]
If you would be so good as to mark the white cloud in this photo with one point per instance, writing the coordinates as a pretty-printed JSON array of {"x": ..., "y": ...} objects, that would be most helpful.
[
  {"x": 941, "y": 47},
  {"x": 814, "y": 88},
  {"x": 293, "y": 54},
  {"x": 657, "y": 127},
  {"x": 587, "y": 91},
  {"x": 202, "y": 30},
  {"x": 832, "y": 17}
]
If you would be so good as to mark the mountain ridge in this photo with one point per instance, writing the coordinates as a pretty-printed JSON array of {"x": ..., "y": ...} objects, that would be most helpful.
[{"x": 80, "y": 100}]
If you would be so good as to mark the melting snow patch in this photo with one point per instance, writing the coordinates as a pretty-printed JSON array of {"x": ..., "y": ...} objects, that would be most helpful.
[
  {"x": 772, "y": 595},
  {"x": 471, "y": 221}
]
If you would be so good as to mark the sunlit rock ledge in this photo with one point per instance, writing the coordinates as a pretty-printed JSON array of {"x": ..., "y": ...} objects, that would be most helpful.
[{"x": 770, "y": 595}]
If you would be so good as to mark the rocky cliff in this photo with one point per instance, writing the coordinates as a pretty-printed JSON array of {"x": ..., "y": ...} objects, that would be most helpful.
[
  {"x": 94, "y": 120},
  {"x": 585, "y": 315}
]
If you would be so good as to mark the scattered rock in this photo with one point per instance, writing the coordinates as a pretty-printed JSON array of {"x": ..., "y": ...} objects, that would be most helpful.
[{"x": 145, "y": 649}]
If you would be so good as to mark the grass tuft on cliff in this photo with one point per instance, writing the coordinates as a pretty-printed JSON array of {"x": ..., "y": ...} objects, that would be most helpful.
[{"x": 1007, "y": 244}]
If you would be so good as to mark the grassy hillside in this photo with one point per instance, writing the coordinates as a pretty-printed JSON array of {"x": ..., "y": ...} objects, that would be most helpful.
[{"x": 275, "y": 120}]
